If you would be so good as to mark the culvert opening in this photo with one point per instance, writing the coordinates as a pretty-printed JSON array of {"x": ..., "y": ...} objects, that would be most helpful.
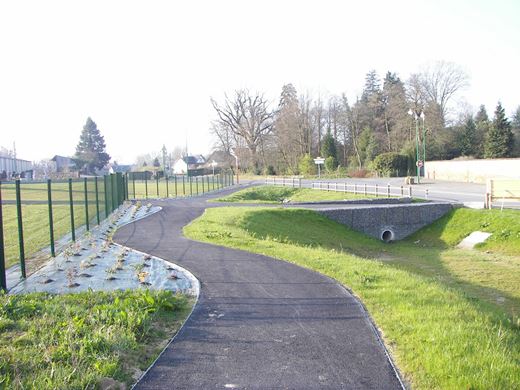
[{"x": 387, "y": 236}]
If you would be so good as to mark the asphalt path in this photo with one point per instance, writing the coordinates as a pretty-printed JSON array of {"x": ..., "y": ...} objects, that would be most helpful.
[{"x": 259, "y": 323}]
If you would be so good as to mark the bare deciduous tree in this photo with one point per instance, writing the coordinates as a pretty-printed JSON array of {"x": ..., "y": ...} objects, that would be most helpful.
[
  {"x": 248, "y": 116},
  {"x": 440, "y": 82}
]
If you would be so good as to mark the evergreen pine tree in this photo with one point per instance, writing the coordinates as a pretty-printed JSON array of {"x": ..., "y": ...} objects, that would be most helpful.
[
  {"x": 482, "y": 115},
  {"x": 499, "y": 140},
  {"x": 468, "y": 138},
  {"x": 328, "y": 148},
  {"x": 90, "y": 151},
  {"x": 515, "y": 122}
]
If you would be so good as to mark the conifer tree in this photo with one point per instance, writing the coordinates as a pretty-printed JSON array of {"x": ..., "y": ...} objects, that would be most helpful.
[
  {"x": 90, "y": 151},
  {"x": 499, "y": 140},
  {"x": 328, "y": 149},
  {"x": 468, "y": 138}
]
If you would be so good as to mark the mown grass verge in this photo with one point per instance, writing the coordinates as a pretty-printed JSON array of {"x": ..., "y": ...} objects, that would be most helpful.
[
  {"x": 277, "y": 194},
  {"x": 441, "y": 334},
  {"x": 77, "y": 341}
]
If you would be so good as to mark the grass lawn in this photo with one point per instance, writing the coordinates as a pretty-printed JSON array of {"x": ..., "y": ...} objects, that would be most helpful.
[
  {"x": 73, "y": 341},
  {"x": 36, "y": 227},
  {"x": 277, "y": 194},
  {"x": 448, "y": 316}
]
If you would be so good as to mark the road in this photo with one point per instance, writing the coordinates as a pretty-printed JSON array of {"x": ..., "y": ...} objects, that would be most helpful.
[{"x": 469, "y": 194}]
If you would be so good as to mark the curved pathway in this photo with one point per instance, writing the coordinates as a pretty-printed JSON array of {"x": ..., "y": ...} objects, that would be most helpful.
[{"x": 260, "y": 323}]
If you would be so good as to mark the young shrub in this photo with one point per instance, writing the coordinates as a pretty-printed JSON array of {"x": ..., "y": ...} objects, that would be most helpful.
[
  {"x": 390, "y": 164},
  {"x": 307, "y": 166},
  {"x": 331, "y": 164}
]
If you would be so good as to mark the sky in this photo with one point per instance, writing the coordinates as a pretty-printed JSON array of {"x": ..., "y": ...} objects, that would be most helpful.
[{"x": 144, "y": 71}]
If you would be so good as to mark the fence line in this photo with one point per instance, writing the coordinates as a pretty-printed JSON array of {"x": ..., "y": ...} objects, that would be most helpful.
[
  {"x": 355, "y": 188},
  {"x": 37, "y": 214},
  {"x": 366, "y": 189},
  {"x": 294, "y": 182}
]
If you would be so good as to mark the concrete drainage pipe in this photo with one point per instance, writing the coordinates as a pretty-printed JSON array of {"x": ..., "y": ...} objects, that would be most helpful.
[{"x": 387, "y": 235}]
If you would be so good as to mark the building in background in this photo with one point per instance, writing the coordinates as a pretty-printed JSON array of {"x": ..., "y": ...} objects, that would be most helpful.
[
  {"x": 189, "y": 165},
  {"x": 11, "y": 167}
]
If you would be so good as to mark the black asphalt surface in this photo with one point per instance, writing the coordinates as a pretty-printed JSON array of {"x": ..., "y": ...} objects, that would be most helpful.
[{"x": 260, "y": 323}]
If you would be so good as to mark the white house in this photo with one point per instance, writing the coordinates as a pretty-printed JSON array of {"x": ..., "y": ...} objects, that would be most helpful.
[{"x": 188, "y": 163}]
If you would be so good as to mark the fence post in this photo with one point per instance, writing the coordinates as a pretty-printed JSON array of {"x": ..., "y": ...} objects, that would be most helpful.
[
  {"x": 410, "y": 191},
  {"x": 388, "y": 191},
  {"x": 207, "y": 180},
  {"x": 51, "y": 220},
  {"x": 133, "y": 184},
  {"x": 3, "y": 282},
  {"x": 71, "y": 204},
  {"x": 202, "y": 179},
  {"x": 175, "y": 181},
  {"x": 355, "y": 188},
  {"x": 191, "y": 187},
  {"x": 365, "y": 189},
  {"x": 86, "y": 204},
  {"x": 183, "y": 187},
  {"x": 402, "y": 191},
  {"x": 377, "y": 190},
  {"x": 20, "y": 228},
  {"x": 97, "y": 199},
  {"x": 197, "y": 184},
  {"x": 113, "y": 181},
  {"x": 167, "y": 189},
  {"x": 105, "y": 180},
  {"x": 146, "y": 184},
  {"x": 157, "y": 183}
]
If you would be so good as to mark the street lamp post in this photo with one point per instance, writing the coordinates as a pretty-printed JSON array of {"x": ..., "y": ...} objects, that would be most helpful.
[
  {"x": 418, "y": 162},
  {"x": 424, "y": 142}
]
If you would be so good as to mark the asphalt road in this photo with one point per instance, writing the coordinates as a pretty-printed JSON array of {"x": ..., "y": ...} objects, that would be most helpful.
[{"x": 260, "y": 323}]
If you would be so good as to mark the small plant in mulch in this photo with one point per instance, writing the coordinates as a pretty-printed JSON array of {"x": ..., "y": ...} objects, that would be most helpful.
[
  {"x": 142, "y": 276},
  {"x": 88, "y": 263},
  {"x": 110, "y": 271},
  {"x": 71, "y": 277},
  {"x": 76, "y": 249},
  {"x": 147, "y": 257},
  {"x": 46, "y": 280},
  {"x": 67, "y": 253},
  {"x": 105, "y": 246},
  {"x": 173, "y": 276}
]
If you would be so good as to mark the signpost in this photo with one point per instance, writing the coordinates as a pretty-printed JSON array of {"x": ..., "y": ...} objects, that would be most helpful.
[
  {"x": 319, "y": 161},
  {"x": 233, "y": 153},
  {"x": 213, "y": 165}
]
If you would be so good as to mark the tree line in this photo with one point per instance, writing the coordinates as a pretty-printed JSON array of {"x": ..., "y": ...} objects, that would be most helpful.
[{"x": 350, "y": 135}]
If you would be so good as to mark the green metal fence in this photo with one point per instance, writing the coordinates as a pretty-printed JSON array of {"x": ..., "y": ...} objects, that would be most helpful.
[
  {"x": 140, "y": 186},
  {"x": 48, "y": 214},
  {"x": 36, "y": 215}
]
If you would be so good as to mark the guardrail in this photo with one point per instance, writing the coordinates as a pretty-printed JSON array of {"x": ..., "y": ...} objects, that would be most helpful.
[
  {"x": 366, "y": 189},
  {"x": 293, "y": 181},
  {"x": 355, "y": 188}
]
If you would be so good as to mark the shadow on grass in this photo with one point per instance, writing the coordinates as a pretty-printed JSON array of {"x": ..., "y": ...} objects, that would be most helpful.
[{"x": 306, "y": 228}]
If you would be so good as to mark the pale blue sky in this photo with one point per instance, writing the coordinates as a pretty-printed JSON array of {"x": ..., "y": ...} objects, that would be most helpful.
[{"x": 144, "y": 71}]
